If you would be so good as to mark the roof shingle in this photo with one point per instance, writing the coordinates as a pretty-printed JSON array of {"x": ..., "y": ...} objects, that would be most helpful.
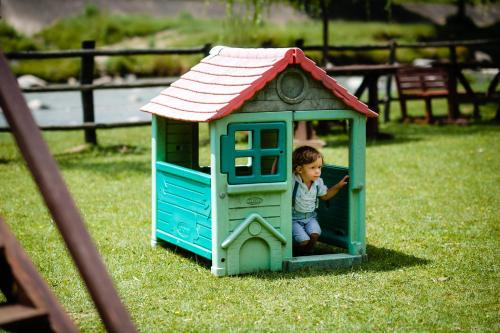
[{"x": 228, "y": 77}]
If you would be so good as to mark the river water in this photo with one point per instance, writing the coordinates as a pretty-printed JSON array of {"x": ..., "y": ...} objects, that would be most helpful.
[{"x": 110, "y": 105}]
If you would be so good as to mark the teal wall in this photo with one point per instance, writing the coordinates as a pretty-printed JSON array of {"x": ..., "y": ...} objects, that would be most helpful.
[
  {"x": 177, "y": 142},
  {"x": 181, "y": 195},
  {"x": 232, "y": 205}
]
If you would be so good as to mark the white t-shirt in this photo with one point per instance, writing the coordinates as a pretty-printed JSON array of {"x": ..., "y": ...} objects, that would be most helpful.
[{"x": 305, "y": 200}]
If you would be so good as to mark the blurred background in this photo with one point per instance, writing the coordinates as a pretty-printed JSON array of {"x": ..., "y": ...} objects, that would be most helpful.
[{"x": 321, "y": 27}]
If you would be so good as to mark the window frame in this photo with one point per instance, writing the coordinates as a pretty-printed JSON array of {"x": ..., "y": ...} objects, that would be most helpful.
[{"x": 229, "y": 153}]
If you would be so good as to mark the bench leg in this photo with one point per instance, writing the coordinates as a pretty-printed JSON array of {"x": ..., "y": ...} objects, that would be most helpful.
[
  {"x": 404, "y": 113},
  {"x": 476, "y": 114},
  {"x": 428, "y": 111}
]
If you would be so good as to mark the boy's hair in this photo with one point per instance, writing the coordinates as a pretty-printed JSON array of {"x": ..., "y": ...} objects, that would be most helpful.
[{"x": 304, "y": 155}]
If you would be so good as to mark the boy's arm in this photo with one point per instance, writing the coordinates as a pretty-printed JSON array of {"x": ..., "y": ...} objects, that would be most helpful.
[{"x": 335, "y": 189}]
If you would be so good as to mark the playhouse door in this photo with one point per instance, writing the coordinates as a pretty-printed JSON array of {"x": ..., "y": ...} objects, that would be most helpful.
[
  {"x": 333, "y": 215},
  {"x": 254, "y": 214}
]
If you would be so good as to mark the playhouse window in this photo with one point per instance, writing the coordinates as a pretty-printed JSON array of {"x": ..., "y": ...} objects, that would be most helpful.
[
  {"x": 269, "y": 138},
  {"x": 243, "y": 140},
  {"x": 269, "y": 165},
  {"x": 254, "y": 153}
]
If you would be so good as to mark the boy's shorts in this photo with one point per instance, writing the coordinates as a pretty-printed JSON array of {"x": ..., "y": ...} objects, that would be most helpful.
[{"x": 302, "y": 227}]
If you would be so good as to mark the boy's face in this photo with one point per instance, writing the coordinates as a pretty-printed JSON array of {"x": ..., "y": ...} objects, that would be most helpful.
[{"x": 310, "y": 172}]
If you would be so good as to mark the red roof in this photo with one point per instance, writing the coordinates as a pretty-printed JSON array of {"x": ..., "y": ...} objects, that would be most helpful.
[{"x": 228, "y": 77}]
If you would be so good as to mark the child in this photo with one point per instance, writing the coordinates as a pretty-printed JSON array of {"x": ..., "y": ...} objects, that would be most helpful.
[{"x": 307, "y": 187}]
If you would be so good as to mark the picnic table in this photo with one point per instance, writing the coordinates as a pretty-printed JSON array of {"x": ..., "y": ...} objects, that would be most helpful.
[
  {"x": 470, "y": 96},
  {"x": 371, "y": 75}
]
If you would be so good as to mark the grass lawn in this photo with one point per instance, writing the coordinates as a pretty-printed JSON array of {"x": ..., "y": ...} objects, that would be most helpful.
[{"x": 432, "y": 233}]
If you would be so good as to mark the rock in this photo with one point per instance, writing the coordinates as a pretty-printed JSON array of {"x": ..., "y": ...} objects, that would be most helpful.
[
  {"x": 36, "y": 104},
  {"x": 422, "y": 62},
  {"x": 130, "y": 77},
  {"x": 482, "y": 57},
  {"x": 29, "y": 81},
  {"x": 72, "y": 81},
  {"x": 103, "y": 80},
  {"x": 118, "y": 80}
]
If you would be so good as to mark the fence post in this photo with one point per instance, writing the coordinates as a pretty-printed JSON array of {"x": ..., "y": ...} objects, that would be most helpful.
[
  {"x": 86, "y": 77},
  {"x": 388, "y": 84},
  {"x": 299, "y": 43},
  {"x": 452, "y": 84},
  {"x": 206, "y": 49}
]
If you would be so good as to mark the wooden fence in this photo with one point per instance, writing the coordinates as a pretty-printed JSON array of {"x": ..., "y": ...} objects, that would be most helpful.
[
  {"x": 453, "y": 65},
  {"x": 370, "y": 73},
  {"x": 86, "y": 87}
]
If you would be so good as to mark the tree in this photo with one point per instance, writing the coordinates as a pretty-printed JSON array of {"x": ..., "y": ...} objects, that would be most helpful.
[
  {"x": 317, "y": 8},
  {"x": 314, "y": 8}
]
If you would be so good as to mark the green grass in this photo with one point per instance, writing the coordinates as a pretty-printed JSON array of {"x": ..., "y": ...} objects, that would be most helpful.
[
  {"x": 100, "y": 26},
  {"x": 432, "y": 232},
  {"x": 11, "y": 40},
  {"x": 185, "y": 31}
]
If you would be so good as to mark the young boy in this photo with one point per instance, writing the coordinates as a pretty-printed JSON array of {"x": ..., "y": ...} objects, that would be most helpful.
[{"x": 307, "y": 188}]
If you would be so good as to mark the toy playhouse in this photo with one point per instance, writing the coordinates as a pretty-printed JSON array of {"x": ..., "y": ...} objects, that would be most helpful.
[{"x": 237, "y": 211}]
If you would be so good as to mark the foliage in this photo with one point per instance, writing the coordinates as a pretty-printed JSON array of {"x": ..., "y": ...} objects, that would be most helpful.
[
  {"x": 187, "y": 31},
  {"x": 11, "y": 40},
  {"x": 95, "y": 25},
  {"x": 242, "y": 29},
  {"x": 160, "y": 66},
  {"x": 52, "y": 70},
  {"x": 250, "y": 11}
]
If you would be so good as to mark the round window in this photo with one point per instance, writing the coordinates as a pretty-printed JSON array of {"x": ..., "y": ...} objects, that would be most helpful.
[{"x": 292, "y": 86}]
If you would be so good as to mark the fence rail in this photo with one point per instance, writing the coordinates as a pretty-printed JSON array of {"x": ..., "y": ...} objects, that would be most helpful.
[
  {"x": 87, "y": 55},
  {"x": 86, "y": 87},
  {"x": 103, "y": 52},
  {"x": 392, "y": 44}
]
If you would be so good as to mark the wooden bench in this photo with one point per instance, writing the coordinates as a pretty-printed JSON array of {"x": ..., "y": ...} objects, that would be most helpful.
[{"x": 417, "y": 83}]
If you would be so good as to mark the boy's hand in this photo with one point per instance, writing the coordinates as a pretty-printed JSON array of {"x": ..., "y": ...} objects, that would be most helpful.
[
  {"x": 335, "y": 188},
  {"x": 343, "y": 182}
]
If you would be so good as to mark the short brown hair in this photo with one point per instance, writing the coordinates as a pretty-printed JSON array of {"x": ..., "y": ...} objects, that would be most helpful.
[{"x": 304, "y": 155}]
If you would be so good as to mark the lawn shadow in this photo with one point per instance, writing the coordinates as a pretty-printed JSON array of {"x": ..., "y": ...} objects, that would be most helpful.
[
  {"x": 186, "y": 254},
  {"x": 377, "y": 260},
  {"x": 383, "y": 260},
  {"x": 84, "y": 156},
  {"x": 111, "y": 168},
  {"x": 87, "y": 150}
]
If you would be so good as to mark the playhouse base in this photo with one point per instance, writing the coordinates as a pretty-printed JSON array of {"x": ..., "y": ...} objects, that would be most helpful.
[{"x": 324, "y": 261}]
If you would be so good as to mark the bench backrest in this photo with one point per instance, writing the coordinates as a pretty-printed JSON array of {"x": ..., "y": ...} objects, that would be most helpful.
[{"x": 421, "y": 79}]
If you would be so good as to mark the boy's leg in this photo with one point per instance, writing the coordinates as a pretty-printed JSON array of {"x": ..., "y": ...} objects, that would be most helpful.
[
  {"x": 313, "y": 230},
  {"x": 310, "y": 245},
  {"x": 300, "y": 237}
]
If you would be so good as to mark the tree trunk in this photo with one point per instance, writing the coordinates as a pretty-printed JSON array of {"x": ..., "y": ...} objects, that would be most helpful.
[
  {"x": 324, "y": 17},
  {"x": 461, "y": 13}
]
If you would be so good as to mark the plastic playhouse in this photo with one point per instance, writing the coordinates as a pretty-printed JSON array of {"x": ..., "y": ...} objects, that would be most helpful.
[{"x": 237, "y": 211}]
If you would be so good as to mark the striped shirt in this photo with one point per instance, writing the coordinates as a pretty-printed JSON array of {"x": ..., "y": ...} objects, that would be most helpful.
[{"x": 305, "y": 201}]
